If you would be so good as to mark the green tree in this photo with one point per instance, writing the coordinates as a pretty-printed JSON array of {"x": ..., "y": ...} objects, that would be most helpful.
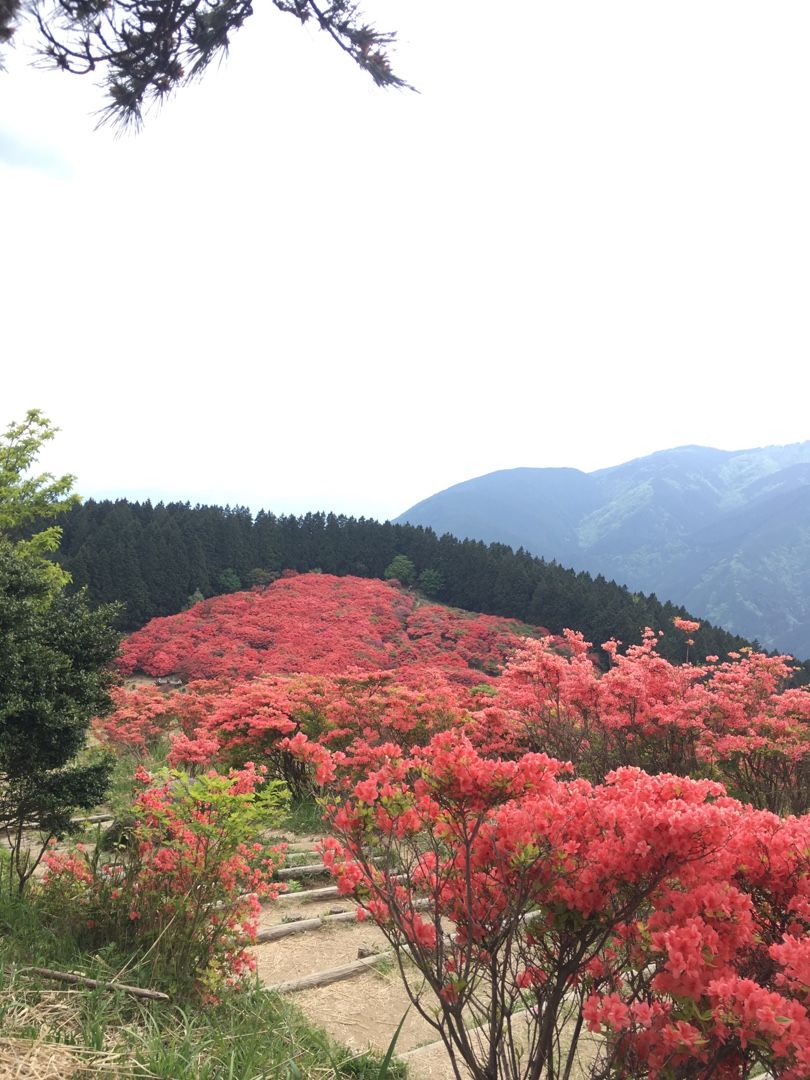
[
  {"x": 430, "y": 582},
  {"x": 55, "y": 657},
  {"x": 27, "y": 499},
  {"x": 229, "y": 580},
  {"x": 147, "y": 48},
  {"x": 261, "y": 578},
  {"x": 400, "y": 569},
  {"x": 195, "y": 598}
]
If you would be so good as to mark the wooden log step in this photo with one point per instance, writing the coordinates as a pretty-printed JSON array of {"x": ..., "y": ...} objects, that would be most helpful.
[
  {"x": 310, "y": 870},
  {"x": 333, "y": 975},
  {"x": 94, "y": 819},
  {"x": 272, "y": 933},
  {"x": 306, "y": 896},
  {"x": 300, "y": 926}
]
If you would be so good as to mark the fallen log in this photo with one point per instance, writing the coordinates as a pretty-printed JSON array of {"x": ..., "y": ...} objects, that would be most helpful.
[{"x": 95, "y": 984}]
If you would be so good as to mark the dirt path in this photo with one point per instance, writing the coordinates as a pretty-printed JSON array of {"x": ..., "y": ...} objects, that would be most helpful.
[
  {"x": 363, "y": 1011},
  {"x": 360, "y": 1012}
]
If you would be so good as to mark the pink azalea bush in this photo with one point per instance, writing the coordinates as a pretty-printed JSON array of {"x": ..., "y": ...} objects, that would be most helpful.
[{"x": 180, "y": 891}]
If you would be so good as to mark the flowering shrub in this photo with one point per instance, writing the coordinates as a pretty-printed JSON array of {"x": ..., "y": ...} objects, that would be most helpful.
[
  {"x": 181, "y": 893},
  {"x": 536, "y": 833},
  {"x": 253, "y": 719},
  {"x": 733, "y": 721},
  {"x": 720, "y": 977},
  {"x": 322, "y": 625},
  {"x": 651, "y": 908},
  {"x": 140, "y": 718}
]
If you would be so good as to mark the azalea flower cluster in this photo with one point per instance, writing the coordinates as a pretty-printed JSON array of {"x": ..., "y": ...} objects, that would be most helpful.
[
  {"x": 654, "y": 910},
  {"x": 180, "y": 887},
  {"x": 732, "y": 720},
  {"x": 232, "y": 722},
  {"x": 322, "y": 625}
]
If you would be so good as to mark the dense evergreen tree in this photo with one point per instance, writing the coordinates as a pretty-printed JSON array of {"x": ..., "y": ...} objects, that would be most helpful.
[
  {"x": 430, "y": 582},
  {"x": 55, "y": 668},
  {"x": 55, "y": 656}
]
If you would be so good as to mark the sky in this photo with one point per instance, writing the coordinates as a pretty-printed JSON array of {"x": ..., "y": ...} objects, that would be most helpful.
[{"x": 585, "y": 239}]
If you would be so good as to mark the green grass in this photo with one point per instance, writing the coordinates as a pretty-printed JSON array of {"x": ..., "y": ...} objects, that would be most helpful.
[
  {"x": 249, "y": 1034},
  {"x": 119, "y": 794},
  {"x": 305, "y": 817}
]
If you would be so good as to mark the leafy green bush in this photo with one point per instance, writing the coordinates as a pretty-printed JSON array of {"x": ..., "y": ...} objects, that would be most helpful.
[{"x": 180, "y": 891}]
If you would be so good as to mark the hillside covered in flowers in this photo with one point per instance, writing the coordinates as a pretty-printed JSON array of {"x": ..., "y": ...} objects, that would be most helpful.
[
  {"x": 320, "y": 624},
  {"x": 620, "y": 848}
]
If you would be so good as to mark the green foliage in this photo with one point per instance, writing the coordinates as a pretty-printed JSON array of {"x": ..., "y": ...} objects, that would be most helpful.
[
  {"x": 259, "y": 577},
  {"x": 229, "y": 581},
  {"x": 400, "y": 569},
  {"x": 127, "y": 761},
  {"x": 430, "y": 582},
  {"x": 179, "y": 891},
  {"x": 55, "y": 656},
  {"x": 27, "y": 499},
  {"x": 247, "y": 1033},
  {"x": 23, "y": 498},
  {"x": 385, "y": 1066},
  {"x": 484, "y": 690},
  {"x": 305, "y": 816}
]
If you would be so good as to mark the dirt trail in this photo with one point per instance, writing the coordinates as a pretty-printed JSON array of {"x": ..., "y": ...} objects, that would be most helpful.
[{"x": 360, "y": 1012}]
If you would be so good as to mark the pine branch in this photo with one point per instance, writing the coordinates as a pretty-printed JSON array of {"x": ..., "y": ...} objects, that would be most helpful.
[{"x": 146, "y": 49}]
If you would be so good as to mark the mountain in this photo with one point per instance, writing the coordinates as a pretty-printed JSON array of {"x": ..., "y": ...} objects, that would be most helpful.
[{"x": 725, "y": 533}]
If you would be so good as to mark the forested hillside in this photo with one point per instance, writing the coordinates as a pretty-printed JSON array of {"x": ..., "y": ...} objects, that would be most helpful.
[{"x": 159, "y": 559}]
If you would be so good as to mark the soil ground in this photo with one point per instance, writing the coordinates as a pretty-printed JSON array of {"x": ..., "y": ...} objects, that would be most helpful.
[{"x": 363, "y": 1011}]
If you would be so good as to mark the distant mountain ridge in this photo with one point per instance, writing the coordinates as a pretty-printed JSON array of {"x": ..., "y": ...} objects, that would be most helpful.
[{"x": 725, "y": 533}]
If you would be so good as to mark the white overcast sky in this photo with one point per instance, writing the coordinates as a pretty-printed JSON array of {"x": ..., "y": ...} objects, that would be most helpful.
[{"x": 586, "y": 239}]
